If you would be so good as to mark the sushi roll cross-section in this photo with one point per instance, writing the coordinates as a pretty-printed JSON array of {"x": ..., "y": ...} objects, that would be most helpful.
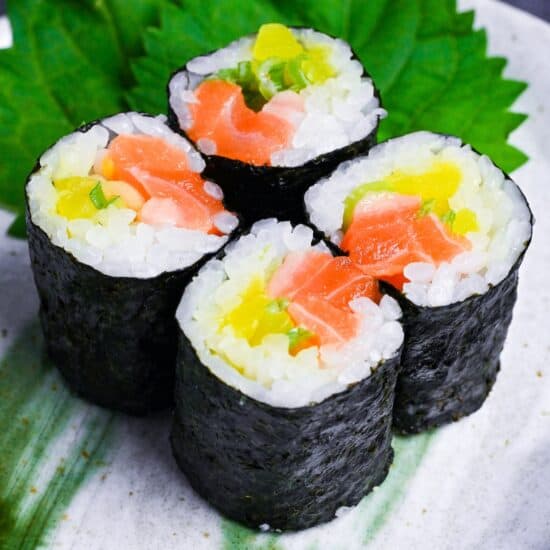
[
  {"x": 272, "y": 113},
  {"x": 286, "y": 370},
  {"x": 118, "y": 219},
  {"x": 447, "y": 230}
]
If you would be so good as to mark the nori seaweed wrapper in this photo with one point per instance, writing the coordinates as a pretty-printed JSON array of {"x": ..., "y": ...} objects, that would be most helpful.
[
  {"x": 258, "y": 192},
  {"x": 451, "y": 355},
  {"x": 289, "y": 468},
  {"x": 114, "y": 339}
]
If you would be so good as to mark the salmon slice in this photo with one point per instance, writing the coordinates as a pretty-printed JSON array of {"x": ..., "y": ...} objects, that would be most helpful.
[
  {"x": 174, "y": 204},
  {"x": 320, "y": 288},
  {"x": 434, "y": 237},
  {"x": 330, "y": 324},
  {"x": 383, "y": 249},
  {"x": 337, "y": 280},
  {"x": 157, "y": 169},
  {"x": 381, "y": 236},
  {"x": 221, "y": 115},
  {"x": 295, "y": 272},
  {"x": 396, "y": 281},
  {"x": 358, "y": 284},
  {"x": 147, "y": 154},
  {"x": 386, "y": 234},
  {"x": 287, "y": 105}
]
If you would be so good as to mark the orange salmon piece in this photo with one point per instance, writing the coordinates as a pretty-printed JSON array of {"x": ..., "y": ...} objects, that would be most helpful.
[
  {"x": 396, "y": 281},
  {"x": 157, "y": 169},
  {"x": 339, "y": 282},
  {"x": 437, "y": 241},
  {"x": 221, "y": 115},
  {"x": 174, "y": 204},
  {"x": 330, "y": 324},
  {"x": 383, "y": 250},
  {"x": 386, "y": 234},
  {"x": 295, "y": 272},
  {"x": 381, "y": 237},
  {"x": 128, "y": 153}
]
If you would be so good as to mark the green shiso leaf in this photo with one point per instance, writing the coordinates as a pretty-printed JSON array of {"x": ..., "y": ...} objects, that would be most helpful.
[
  {"x": 429, "y": 63},
  {"x": 73, "y": 62},
  {"x": 98, "y": 197},
  {"x": 69, "y": 63}
]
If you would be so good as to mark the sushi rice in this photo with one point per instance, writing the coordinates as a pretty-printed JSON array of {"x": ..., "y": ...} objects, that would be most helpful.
[
  {"x": 114, "y": 242},
  {"x": 339, "y": 110},
  {"x": 503, "y": 217},
  {"x": 268, "y": 372}
]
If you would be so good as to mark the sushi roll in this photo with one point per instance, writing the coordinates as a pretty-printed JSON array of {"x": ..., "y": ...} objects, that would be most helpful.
[
  {"x": 118, "y": 220},
  {"x": 285, "y": 380},
  {"x": 274, "y": 112},
  {"x": 446, "y": 230}
]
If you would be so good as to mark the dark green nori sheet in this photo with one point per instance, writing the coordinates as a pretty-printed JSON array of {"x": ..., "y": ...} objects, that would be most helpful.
[
  {"x": 112, "y": 338},
  {"x": 289, "y": 468},
  {"x": 257, "y": 192},
  {"x": 452, "y": 353},
  {"x": 451, "y": 356}
]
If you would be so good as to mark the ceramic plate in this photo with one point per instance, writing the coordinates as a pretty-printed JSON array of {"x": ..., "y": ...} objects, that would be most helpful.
[{"x": 87, "y": 478}]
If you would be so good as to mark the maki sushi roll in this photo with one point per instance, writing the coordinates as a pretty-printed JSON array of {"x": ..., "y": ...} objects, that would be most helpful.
[
  {"x": 446, "y": 230},
  {"x": 274, "y": 112},
  {"x": 285, "y": 380},
  {"x": 118, "y": 219}
]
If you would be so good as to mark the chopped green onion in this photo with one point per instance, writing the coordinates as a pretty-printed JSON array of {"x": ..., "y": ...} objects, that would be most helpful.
[
  {"x": 270, "y": 77},
  {"x": 261, "y": 80},
  {"x": 98, "y": 197},
  {"x": 297, "y": 336},
  {"x": 245, "y": 73},
  {"x": 294, "y": 76},
  {"x": 449, "y": 218},
  {"x": 275, "y": 306},
  {"x": 426, "y": 208}
]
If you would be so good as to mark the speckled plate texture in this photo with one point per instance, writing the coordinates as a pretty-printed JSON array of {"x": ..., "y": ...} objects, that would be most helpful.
[{"x": 83, "y": 477}]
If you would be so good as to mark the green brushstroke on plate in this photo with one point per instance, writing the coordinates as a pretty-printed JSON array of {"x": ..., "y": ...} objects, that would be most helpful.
[
  {"x": 374, "y": 510},
  {"x": 237, "y": 537},
  {"x": 50, "y": 443},
  {"x": 368, "y": 517}
]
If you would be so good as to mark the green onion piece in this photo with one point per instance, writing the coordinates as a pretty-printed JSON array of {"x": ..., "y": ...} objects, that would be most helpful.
[
  {"x": 449, "y": 217},
  {"x": 229, "y": 75},
  {"x": 294, "y": 77},
  {"x": 426, "y": 208},
  {"x": 297, "y": 336},
  {"x": 245, "y": 74},
  {"x": 276, "y": 306},
  {"x": 270, "y": 77},
  {"x": 98, "y": 197}
]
